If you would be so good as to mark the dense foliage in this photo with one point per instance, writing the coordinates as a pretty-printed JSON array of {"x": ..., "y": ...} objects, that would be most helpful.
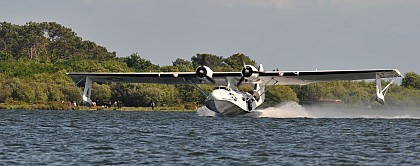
[{"x": 35, "y": 57}]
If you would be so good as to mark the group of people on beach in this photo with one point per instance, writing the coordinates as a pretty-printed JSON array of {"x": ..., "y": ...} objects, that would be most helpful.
[{"x": 116, "y": 104}]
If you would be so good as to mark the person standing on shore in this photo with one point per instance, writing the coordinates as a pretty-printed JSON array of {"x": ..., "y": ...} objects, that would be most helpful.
[
  {"x": 119, "y": 104},
  {"x": 152, "y": 104}
]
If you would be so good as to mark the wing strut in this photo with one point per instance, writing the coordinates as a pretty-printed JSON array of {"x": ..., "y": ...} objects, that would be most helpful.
[
  {"x": 265, "y": 90},
  {"x": 260, "y": 89},
  {"x": 201, "y": 90},
  {"x": 380, "y": 93},
  {"x": 87, "y": 91},
  {"x": 77, "y": 87}
]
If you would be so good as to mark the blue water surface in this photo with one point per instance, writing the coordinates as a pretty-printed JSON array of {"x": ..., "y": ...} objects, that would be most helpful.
[{"x": 175, "y": 138}]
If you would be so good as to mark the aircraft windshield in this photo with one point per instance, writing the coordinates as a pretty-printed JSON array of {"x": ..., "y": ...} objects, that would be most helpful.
[{"x": 221, "y": 87}]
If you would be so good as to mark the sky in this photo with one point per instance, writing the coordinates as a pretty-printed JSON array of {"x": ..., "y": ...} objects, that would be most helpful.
[{"x": 280, "y": 34}]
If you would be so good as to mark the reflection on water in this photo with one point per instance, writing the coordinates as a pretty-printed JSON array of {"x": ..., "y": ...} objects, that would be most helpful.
[{"x": 113, "y": 137}]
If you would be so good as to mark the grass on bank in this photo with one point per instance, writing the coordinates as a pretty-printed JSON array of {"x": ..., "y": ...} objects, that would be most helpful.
[{"x": 17, "y": 105}]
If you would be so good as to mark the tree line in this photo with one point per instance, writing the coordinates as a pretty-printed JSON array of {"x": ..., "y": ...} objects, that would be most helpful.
[{"x": 35, "y": 57}]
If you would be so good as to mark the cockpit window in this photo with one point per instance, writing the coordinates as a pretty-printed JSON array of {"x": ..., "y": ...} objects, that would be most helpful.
[{"x": 221, "y": 87}]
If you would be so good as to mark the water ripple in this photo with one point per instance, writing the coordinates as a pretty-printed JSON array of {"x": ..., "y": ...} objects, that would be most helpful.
[{"x": 173, "y": 138}]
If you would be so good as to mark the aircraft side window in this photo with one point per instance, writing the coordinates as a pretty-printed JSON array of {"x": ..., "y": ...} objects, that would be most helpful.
[
  {"x": 221, "y": 87},
  {"x": 257, "y": 96},
  {"x": 233, "y": 96}
]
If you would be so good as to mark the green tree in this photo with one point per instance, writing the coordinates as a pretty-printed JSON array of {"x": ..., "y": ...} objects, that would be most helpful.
[
  {"x": 48, "y": 42},
  {"x": 310, "y": 92},
  {"x": 9, "y": 38},
  {"x": 115, "y": 66},
  {"x": 401, "y": 96},
  {"x": 5, "y": 90},
  {"x": 5, "y": 56},
  {"x": 210, "y": 60},
  {"x": 41, "y": 91},
  {"x": 181, "y": 62},
  {"x": 139, "y": 64},
  {"x": 277, "y": 94},
  {"x": 88, "y": 66},
  {"x": 63, "y": 42},
  {"x": 55, "y": 93},
  {"x": 190, "y": 94},
  {"x": 101, "y": 92},
  {"x": 33, "y": 43},
  {"x": 235, "y": 61},
  {"x": 20, "y": 90},
  {"x": 120, "y": 92},
  {"x": 411, "y": 80}
]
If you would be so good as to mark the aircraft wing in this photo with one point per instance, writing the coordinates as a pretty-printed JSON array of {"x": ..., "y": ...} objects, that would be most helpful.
[
  {"x": 306, "y": 77},
  {"x": 157, "y": 78},
  {"x": 267, "y": 77}
]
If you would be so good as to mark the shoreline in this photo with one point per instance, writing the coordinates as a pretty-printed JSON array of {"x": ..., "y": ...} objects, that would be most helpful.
[{"x": 54, "y": 106}]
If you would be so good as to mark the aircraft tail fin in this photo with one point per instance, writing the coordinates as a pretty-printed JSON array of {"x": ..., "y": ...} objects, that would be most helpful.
[{"x": 260, "y": 68}]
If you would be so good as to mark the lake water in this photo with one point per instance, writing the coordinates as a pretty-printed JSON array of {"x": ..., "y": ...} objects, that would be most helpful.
[{"x": 274, "y": 136}]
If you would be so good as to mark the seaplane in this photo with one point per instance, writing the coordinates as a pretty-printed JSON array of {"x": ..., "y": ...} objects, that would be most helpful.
[{"x": 226, "y": 99}]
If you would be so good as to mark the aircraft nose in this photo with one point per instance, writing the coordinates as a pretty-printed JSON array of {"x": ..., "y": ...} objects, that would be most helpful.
[{"x": 210, "y": 104}]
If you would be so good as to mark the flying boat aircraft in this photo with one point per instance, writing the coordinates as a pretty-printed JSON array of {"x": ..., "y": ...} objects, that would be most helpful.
[{"x": 225, "y": 98}]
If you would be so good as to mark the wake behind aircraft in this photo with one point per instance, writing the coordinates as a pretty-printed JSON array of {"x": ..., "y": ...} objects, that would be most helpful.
[{"x": 226, "y": 99}]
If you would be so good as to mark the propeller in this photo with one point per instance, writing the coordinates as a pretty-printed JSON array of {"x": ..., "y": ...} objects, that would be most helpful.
[
  {"x": 202, "y": 71},
  {"x": 247, "y": 71}
]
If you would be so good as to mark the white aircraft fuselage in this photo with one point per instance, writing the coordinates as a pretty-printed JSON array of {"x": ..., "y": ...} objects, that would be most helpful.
[{"x": 230, "y": 102}]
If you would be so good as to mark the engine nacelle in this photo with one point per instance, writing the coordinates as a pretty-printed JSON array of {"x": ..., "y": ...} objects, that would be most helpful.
[
  {"x": 250, "y": 72},
  {"x": 204, "y": 72}
]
